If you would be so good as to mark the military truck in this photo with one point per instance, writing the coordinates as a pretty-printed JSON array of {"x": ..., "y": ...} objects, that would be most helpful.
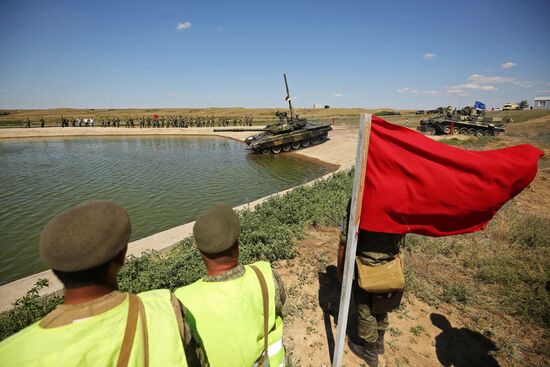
[
  {"x": 289, "y": 133},
  {"x": 467, "y": 121}
]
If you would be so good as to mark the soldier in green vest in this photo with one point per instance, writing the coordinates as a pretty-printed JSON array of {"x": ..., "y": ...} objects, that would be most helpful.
[
  {"x": 97, "y": 325},
  {"x": 235, "y": 310}
]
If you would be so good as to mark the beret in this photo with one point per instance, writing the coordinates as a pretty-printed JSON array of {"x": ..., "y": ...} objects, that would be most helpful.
[
  {"x": 85, "y": 236},
  {"x": 217, "y": 229}
]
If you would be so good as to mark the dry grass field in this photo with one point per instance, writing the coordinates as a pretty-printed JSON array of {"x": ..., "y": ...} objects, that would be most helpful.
[{"x": 261, "y": 116}]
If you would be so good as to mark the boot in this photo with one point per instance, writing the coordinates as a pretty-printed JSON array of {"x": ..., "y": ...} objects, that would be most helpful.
[
  {"x": 365, "y": 351},
  {"x": 380, "y": 342}
]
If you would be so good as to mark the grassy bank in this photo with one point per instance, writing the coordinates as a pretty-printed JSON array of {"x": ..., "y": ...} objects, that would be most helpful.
[{"x": 269, "y": 233}]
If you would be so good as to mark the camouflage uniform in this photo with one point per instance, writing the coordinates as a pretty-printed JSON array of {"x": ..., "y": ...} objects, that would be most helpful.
[
  {"x": 238, "y": 271},
  {"x": 372, "y": 249}
]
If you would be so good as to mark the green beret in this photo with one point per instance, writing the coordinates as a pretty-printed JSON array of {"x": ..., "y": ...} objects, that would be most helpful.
[
  {"x": 85, "y": 236},
  {"x": 217, "y": 229}
]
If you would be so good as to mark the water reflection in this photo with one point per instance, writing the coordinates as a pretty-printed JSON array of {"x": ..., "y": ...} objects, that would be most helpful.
[{"x": 161, "y": 181}]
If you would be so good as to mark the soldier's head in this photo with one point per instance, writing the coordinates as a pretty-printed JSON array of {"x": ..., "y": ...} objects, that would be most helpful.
[
  {"x": 440, "y": 321},
  {"x": 216, "y": 234},
  {"x": 86, "y": 245}
]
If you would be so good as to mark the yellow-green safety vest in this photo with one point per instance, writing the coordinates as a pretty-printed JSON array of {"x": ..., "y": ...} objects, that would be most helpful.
[
  {"x": 96, "y": 341},
  {"x": 228, "y": 318}
]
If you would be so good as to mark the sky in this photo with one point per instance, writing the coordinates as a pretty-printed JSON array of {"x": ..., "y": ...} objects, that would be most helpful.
[{"x": 395, "y": 54}]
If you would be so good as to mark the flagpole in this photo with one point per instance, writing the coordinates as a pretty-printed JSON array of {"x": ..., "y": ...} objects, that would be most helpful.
[{"x": 352, "y": 235}]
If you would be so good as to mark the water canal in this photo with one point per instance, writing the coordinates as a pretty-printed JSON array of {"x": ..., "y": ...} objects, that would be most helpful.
[{"x": 162, "y": 181}]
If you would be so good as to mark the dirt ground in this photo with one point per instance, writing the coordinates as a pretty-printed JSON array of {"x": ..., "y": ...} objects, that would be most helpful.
[
  {"x": 412, "y": 340},
  {"x": 419, "y": 334}
]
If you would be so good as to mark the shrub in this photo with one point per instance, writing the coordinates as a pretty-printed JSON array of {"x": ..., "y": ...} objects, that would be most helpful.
[
  {"x": 531, "y": 231},
  {"x": 27, "y": 310},
  {"x": 457, "y": 293}
]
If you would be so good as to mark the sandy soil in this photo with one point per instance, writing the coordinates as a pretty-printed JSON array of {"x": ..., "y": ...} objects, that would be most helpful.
[{"x": 419, "y": 334}]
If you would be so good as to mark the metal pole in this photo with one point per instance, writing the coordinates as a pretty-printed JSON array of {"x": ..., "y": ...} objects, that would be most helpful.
[
  {"x": 289, "y": 100},
  {"x": 352, "y": 235}
]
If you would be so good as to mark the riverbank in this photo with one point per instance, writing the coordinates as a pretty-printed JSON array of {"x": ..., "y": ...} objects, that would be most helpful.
[{"x": 337, "y": 153}]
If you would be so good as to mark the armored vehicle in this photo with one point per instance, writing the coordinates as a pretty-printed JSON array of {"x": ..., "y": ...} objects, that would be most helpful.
[
  {"x": 290, "y": 132},
  {"x": 467, "y": 121}
]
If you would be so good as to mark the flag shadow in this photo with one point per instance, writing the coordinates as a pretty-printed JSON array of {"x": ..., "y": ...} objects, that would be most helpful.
[
  {"x": 329, "y": 301},
  {"x": 462, "y": 347}
]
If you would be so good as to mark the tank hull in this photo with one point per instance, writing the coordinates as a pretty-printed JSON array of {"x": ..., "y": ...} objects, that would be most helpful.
[
  {"x": 269, "y": 142},
  {"x": 447, "y": 126}
]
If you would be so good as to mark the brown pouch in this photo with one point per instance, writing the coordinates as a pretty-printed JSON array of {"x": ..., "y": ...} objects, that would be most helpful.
[
  {"x": 383, "y": 278},
  {"x": 385, "y": 302}
]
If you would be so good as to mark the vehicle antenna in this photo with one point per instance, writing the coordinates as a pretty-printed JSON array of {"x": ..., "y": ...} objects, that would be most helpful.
[{"x": 288, "y": 99}]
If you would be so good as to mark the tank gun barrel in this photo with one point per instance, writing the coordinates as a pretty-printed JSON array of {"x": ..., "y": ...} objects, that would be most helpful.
[
  {"x": 229, "y": 129},
  {"x": 289, "y": 99}
]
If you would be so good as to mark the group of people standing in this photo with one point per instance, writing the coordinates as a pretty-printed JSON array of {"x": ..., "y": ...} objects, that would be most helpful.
[
  {"x": 156, "y": 122},
  {"x": 230, "y": 317}
]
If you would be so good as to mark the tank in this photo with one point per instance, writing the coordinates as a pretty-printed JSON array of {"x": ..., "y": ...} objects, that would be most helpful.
[
  {"x": 467, "y": 121},
  {"x": 289, "y": 133}
]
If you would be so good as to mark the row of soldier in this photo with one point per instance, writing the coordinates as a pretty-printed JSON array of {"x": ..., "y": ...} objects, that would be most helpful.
[{"x": 161, "y": 122}]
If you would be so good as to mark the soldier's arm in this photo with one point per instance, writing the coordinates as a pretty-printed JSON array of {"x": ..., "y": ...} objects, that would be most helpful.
[
  {"x": 194, "y": 352},
  {"x": 280, "y": 293}
]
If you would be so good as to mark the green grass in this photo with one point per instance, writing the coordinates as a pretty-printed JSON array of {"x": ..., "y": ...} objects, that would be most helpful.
[
  {"x": 503, "y": 269},
  {"x": 417, "y": 330},
  {"x": 471, "y": 143},
  {"x": 519, "y": 116}
]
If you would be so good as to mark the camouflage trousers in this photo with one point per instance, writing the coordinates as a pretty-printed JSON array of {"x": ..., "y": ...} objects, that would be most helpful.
[{"x": 368, "y": 323}]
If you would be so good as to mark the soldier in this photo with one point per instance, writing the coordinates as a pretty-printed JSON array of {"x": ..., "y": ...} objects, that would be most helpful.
[
  {"x": 97, "y": 325},
  {"x": 226, "y": 305},
  {"x": 42, "y": 122},
  {"x": 28, "y": 123},
  {"x": 373, "y": 249}
]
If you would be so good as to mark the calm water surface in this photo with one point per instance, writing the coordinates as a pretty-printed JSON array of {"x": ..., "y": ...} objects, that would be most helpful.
[{"x": 162, "y": 182}]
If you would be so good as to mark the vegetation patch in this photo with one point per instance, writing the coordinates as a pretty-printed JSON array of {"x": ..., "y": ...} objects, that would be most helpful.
[
  {"x": 472, "y": 143},
  {"x": 270, "y": 232}
]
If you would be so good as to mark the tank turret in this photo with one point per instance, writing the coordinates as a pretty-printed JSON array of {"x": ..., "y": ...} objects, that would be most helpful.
[
  {"x": 289, "y": 132},
  {"x": 466, "y": 121}
]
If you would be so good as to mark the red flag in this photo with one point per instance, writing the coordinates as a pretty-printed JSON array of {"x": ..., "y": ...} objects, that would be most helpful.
[
  {"x": 155, "y": 116},
  {"x": 415, "y": 184}
]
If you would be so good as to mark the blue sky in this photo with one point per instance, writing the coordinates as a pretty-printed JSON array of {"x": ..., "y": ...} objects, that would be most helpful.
[{"x": 401, "y": 54}]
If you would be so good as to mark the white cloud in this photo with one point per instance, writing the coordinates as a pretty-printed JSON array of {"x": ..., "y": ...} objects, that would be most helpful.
[
  {"x": 482, "y": 79},
  {"x": 508, "y": 65},
  {"x": 408, "y": 90},
  {"x": 337, "y": 95},
  {"x": 173, "y": 94},
  {"x": 431, "y": 92},
  {"x": 524, "y": 83},
  {"x": 461, "y": 89},
  {"x": 543, "y": 91},
  {"x": 428, "y": 56},
  {"x": 183, "y": 25}
]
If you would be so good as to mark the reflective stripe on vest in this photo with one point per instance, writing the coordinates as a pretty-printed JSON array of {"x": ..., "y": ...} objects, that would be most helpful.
[
  {"x": 96, "y": 341},
  {"x": 228, "y": 318}
]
